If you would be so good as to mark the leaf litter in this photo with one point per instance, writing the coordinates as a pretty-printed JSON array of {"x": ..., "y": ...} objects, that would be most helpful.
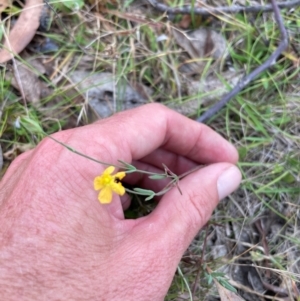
[
  {"x": 201, "y": 44},
  {"x": 26, "y": 78},
  {"x": 105, "y": 93}
]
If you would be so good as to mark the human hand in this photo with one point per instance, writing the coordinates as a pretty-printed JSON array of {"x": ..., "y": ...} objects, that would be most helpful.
[{"x": 58, "y": 242}]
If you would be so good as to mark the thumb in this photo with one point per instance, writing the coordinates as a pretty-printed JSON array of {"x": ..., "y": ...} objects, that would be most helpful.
[{"x": 178, "y": 218}]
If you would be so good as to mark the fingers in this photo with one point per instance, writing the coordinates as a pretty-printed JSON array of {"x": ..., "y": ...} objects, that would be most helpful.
[
  {"x": 176, "y": 163},
  {"x": 134, "y": 134},
  {"x": 125, "y": 201},
  {"x": 178, "y": 218},
  {"x": 152, "y": 133}
]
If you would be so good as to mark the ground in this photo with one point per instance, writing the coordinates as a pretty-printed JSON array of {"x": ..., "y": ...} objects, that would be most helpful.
[{"x": 92, "y": 59}]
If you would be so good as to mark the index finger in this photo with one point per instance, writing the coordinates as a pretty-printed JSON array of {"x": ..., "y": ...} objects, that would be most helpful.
[{"x": 134, "y": 134}]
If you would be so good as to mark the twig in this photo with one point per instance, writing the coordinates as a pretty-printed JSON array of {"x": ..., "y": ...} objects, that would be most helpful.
[
  {"x": 251, "y": 291},
  {"x": 200, "y": 262},
  {"x": 188, "y": 9},
  {"x": 247, "y": 79},
  {"x": 264, "y": 242},
  {"x": 278, "y": 290}
]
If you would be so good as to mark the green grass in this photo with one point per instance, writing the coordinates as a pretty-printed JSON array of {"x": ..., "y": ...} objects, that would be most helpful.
[{"x": 263, "y": 122}]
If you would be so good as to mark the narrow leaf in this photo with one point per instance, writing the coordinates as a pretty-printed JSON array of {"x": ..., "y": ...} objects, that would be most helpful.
[
  {"x": 130, "y": 168},
  {"x": 227, "y": 295},
  {"x": 30, "y": 125},
  {"x": 157, "y": 177},
  {"x": 144, "y": 191},
  {"x": 150, "y": 197}
]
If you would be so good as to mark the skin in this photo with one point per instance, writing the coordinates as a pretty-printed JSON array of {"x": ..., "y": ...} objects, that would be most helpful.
[{"x": 57, "y": 242}]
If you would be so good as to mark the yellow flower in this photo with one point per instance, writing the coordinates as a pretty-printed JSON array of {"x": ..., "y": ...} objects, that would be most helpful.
[{"x": 108, "y": 184}]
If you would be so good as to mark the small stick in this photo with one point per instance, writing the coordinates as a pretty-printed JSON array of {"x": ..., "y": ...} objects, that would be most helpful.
[
  {"x": 247, "y": 79},
  {"x": 188, "y": 9}
]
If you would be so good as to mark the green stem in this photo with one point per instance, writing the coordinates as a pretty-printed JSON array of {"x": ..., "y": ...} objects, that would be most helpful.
[
  {"x": 79, "y": 153},
  {"x": 146, "y": 172},
  {"x": 163, "y": 191}
]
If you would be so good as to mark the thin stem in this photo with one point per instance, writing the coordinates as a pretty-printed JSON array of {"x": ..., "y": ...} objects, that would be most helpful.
[
  {"x": 190, "y": 171},
  {"x": 168, "y": 176},
  {"x": 148, "y": 172},
  {"x": 79, "y": 153},
  {"x": 186, "y": 283},
  {"x": 161, "y": 192}
]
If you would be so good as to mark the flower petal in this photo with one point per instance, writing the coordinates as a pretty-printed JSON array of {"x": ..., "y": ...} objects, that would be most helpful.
[
  {"x": 120, "y": 175},
  {"x": 105, "y": 195},
  {"x": 118, "y": 188},
  {"x": 109, "y": 170},
  {"x": 98, "y": 183}
]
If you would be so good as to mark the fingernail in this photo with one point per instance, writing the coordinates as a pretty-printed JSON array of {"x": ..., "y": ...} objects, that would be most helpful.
[{"x": 228, "y": 181}]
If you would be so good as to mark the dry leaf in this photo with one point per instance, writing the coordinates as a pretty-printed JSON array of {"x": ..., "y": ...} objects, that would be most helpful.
[
  {"x": 23, "y": 31},
  {"x": 25, "y": 78},
  {"x": 100, "y": 90},
  {"x": 226, "y": 295},
  {"x": 199, "y": 44},
  {"x": 16, "y": 149},
  {"x": 206, "y": 90}
]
